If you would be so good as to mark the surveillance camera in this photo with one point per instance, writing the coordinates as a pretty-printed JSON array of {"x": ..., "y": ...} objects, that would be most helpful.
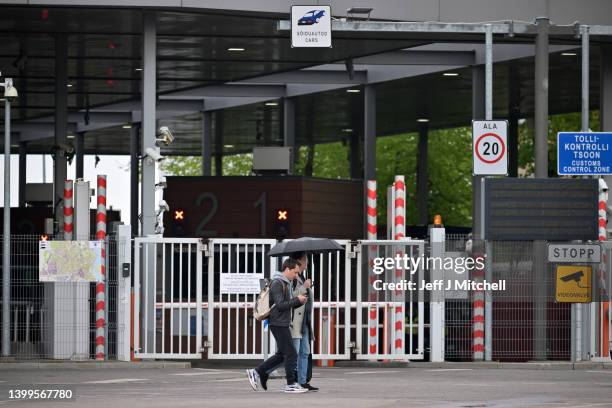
[
  {"x": 603, "y": 186},
  {"x": 163, "y": 205},
  {"x": 166, "y": 136},
  {"x": 10, "y": 92},
  {"x": 153, "y": 154}
]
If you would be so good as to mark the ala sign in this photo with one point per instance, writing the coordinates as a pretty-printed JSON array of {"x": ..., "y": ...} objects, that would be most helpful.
[
  {"x": 311, "y": 26},
  {"x": 490, "y": 147}
]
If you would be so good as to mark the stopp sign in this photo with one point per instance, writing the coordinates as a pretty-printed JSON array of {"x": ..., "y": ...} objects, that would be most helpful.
[{"x": 489, "y": 147}]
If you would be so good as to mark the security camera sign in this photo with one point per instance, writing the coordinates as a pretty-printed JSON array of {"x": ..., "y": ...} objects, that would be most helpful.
[
  {"x": 311, "y": 26},
  {"x": 573, "y": 284},
  {"x": 490, "y": 147}
]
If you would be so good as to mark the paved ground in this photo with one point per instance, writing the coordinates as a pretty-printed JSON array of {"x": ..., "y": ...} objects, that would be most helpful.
[{"x": 340, "y": 387}]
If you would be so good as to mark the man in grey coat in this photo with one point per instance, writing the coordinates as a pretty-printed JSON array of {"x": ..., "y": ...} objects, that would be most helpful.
[{"x": 301, "y": 325}]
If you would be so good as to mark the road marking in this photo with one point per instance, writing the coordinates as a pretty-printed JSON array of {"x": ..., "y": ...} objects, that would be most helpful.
[
  {"x": 115, "y": 381},
  {"x": 373, "y": 372},
  {"x": 438, "y": 370},
  {"x": 601, "y": 371},
  {"x": 229, "y": 380}
]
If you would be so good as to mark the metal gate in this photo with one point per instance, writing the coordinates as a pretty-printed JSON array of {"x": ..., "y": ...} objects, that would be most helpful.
[
  {"x": 235, "y": 269},
  {"x": 168, "y": 298},
  {"x": 332, "y": 279},
  {"x": 390, "y": 323}
]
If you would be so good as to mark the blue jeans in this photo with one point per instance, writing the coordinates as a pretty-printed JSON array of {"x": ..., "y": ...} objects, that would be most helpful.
[{"x": 302, "y": 346}]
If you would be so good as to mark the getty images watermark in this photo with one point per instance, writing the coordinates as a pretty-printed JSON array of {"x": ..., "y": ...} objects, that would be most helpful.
[{"x": 458, "y": 265}]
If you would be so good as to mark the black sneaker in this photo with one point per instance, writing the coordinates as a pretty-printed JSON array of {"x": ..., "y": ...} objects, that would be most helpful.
[
  {"x": 309, "y": 387},
  {"x": 263, "y": 381}
]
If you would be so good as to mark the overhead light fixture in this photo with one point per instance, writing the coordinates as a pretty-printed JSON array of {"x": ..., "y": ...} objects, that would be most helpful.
[
  {"x": 422, "y": 120},
  {"x": 14, "y": 145},
  {"x": 228, "y": 146},
  {"x": 69, "y": 136},
  {"x": 237, "y": 49},
  {"x": 353, "y": 90},
  {"x": 126, "y": 126},
  {"x": 69, "y": 85},
  {"x": 271, "y": 103},
  {"x": 351, "y": 12},
  {"x": 569, "y": 54},
  {"x": 451, "y": 74},
  {"x": 137, "y": 69},
  {"x": 347, "y": 130}
]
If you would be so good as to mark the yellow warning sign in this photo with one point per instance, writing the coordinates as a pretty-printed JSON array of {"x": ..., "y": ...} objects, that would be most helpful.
[{"x": 573, "y": 283}]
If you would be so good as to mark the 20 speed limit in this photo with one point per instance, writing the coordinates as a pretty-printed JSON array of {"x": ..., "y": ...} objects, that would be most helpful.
[
  {"x": 490, "y": 154},
  {"x": 490, "y": 148}
]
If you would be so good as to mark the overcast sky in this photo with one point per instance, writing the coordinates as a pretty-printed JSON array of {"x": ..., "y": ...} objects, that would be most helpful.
[{"x": 115, "y": 168}]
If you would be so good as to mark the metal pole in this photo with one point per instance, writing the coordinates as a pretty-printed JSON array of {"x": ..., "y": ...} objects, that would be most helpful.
[
  {"x": 134, "y": 169},
  {"x": 61, "y": 128},
  {"x": 583, "y": 314},
  {"x": 6, "y": 255},
  {"x": 488, "y": 270},
  {"x": 149, "y": 95},
  {"x": 23, "y": 163},
  {"x": 289, "y": 129},
  {"x": 541, "y": 171},
  {"x": 80, "y": 150},
  {"x": 584, "y": 30}
]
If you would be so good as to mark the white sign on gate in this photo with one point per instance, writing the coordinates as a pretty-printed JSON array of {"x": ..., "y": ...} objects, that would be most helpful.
[
  {"x": 240, "y": 283},
  {"x": 490, "y": 147},
  {"x": 311, "y": 26}
]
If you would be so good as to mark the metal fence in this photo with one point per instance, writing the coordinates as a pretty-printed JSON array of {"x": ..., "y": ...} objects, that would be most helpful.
[
  {"x": 56, "y": 320},
  {"x": 527, "y": 323}
]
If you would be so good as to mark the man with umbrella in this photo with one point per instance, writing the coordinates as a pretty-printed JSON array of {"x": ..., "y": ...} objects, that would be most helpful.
[{"x": 279, "y": 320}]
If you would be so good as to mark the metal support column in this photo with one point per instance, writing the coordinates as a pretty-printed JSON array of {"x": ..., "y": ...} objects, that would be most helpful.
[
  {"x": 369, "y": 144},
  {"x": 219, "y": 143},
  {"x": 478, "y": 113},
  {"x": 23, "y": 169},
  {"x": 488, "y": 269},
  {"x": 206, "y": 143},
  {"x": 61, "y": 127},
  {"x": 79, "y": 154},
  {"x": 289, "y": 129},
  {"x": 6, "y": 254},
  {"x": 422, "y": 175},
  {"x": 585, "y": 311},
  {"x": 134, "y": 176},
  {"x": 541, "y": 171},
  {"x": 148, "y": 203}
]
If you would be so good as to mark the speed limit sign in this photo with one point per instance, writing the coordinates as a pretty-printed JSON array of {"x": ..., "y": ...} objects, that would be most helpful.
[{"x": 490, "y": 147}]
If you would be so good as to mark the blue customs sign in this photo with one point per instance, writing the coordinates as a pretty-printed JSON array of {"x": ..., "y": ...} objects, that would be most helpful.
[{"x": 584, "y": 153}]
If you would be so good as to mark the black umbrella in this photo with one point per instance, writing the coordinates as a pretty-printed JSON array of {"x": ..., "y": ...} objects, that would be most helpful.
[{"x": 305, "y": 244}]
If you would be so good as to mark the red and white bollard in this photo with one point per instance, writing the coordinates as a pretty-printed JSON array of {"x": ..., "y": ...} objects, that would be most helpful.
[
  {"x": 372, "y": 252},
  {"x": 399, "y": 233},
  {"x": 478, "y": 324},
  {"x": 604, "y": 308},
  {"x": 101, "y": 286},
  {"x": 68, "y": 210}
]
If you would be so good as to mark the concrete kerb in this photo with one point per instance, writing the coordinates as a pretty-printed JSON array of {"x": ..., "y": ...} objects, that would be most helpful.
[{"x": 93, "y": 365}]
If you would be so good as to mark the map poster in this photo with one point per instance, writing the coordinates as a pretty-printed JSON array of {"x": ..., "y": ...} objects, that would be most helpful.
[{"x": 70, "y": 261}]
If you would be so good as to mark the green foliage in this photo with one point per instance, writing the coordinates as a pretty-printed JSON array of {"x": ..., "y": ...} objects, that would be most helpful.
[
  {"x": 235, "y": 165},
  {"x": 330, "y": 160}
]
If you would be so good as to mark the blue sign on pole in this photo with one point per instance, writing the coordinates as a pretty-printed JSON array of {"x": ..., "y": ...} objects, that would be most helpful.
[{"x": 584, "y": 153}]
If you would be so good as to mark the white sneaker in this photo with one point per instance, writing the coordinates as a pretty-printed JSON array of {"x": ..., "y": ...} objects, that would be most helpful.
[
  {"x": 295, "y": 389},
  {"x": 253, "y": 378}
]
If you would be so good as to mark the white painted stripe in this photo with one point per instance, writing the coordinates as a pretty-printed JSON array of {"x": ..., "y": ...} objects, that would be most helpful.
[
  {"x": 373, "y": 372},
  {"x": 601, "y": 371},
  {"x": 450, "y": 369},
  {"x": 229, "y": 380},
  {"x": 115, "y": 381}
]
